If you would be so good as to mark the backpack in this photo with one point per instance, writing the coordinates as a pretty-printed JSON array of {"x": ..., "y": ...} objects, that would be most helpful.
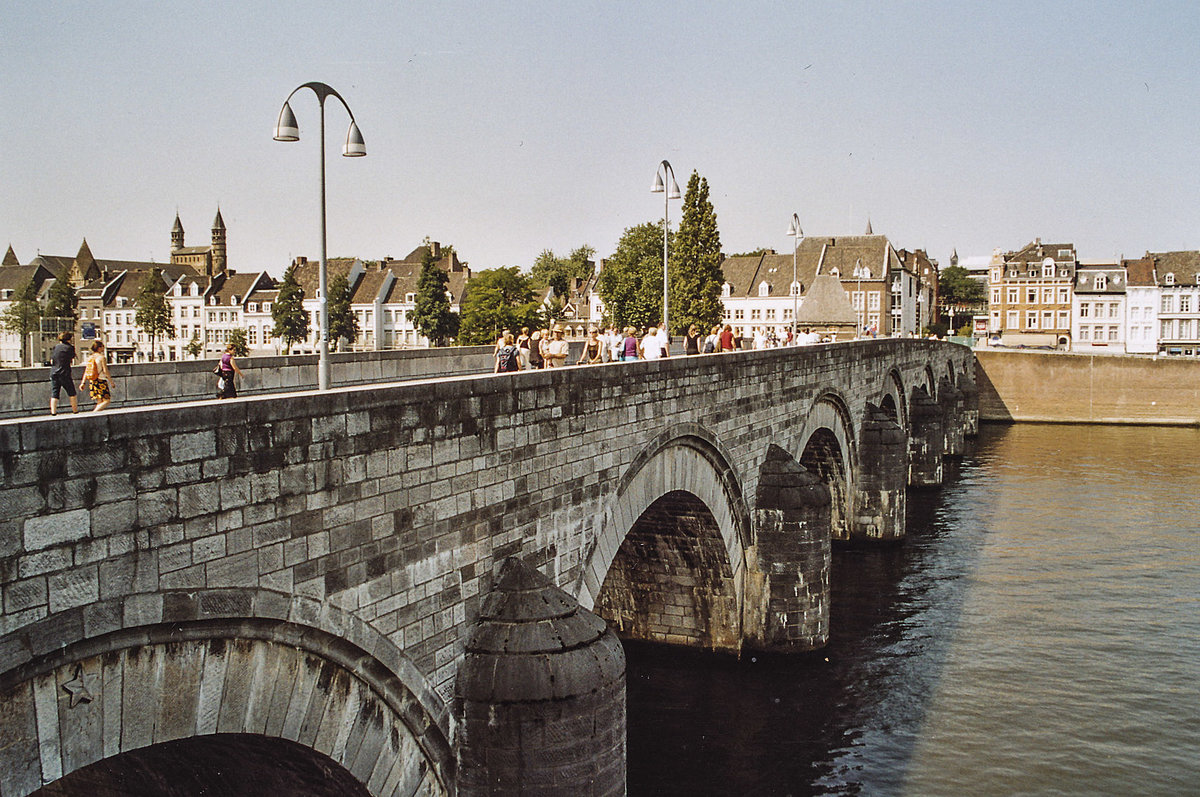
[
  {"x": 708, "y": 346},
  {"x": 508, "y": 359}
]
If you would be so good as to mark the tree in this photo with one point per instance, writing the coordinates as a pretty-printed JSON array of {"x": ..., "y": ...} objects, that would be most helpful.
[
  {"x": 291, "y": 319},
  {"x": 695, "y": 262},
  {"x": 498, "y": 299},
  {"x": 61, "y": 301},
  {"x": 24, "y": 316},
  {"x": 631, "y": 281},
  {"x": 342, "y": 321},
  {"x": 153, "y": 312},
  {"x": 560, "y": 273},
  {"x": 431, "y": 311},
  {"x": 237, "y": 339},
  {"x": 958, "y": 291},
  {"x": 194, "y": 347}
]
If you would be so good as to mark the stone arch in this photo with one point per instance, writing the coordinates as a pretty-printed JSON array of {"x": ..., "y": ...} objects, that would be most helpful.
[
  {"x": 827, "y": 447},
  {"x": 931, "y": 382},
  {"x": 342, "y": 690},
  {"x": 893, "y": 400},
  {"x": 678, "y": 510}
]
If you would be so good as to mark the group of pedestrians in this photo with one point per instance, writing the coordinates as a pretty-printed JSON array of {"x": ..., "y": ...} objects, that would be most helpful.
[{"x": 97, "y": 380}]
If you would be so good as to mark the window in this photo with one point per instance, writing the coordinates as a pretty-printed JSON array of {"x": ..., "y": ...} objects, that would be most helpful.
[
  {"x": 1012, "y": 273},
  {"x": 1085, "y": 333},
  {"x": 725, "y": 289},
  {"x": 873, "y": 300},
  {"x": 1047, "y": 268},
  {"x": 1013, "y": 321},
  {"x": 1112, "y": 310},
  {"x": 1112, "y": 333},
  {"x": 739, "y": 314},
  {"x": 1168, "y": 304},
  {"x": 1047, "y": 296},
  {"x": 252, "y": 307},
  {"x": 1169, "y": 279},
  {"x": 1064, "y": 319},
  {"x": 1031, "y": 295},
  {"x": 1085, "y": 310},
  {"x": 755, "y": 314},
  {"x": 995, "y": 296},
  {"x": 1101, "y": 282},
  {"x": 795, "y": 291},
  {"x": 1165, "y": 330},
  {"x": 1064, "y": 254},
  {"x": 1012, "y": 296},
  {"x": 1064, "y": 296},
  {"x": 857, "y": 300},
  {"x": 1185, "y": 303},
  {"x": 1047, "y": 320},
  {"x": 252, "y": 335},
  {"x": 764, "y": 289},
  {"x": 996, "y": 274},
  {"x": 409, "y": 298},
  {"x": 1031, "y": 319}
]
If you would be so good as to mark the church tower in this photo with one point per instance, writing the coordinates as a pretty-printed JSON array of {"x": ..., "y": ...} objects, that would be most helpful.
[
  {"x": 177, "y": 234},
  {"x": 219, "y": 262}
]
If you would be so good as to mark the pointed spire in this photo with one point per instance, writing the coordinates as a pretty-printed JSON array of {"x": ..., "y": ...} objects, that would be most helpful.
[
  {"x": 178, "y": 224},
  {"x": 218, "y": 222},
  {"x": 10, "y": 257},
  {"x": 869, "y": 230}
]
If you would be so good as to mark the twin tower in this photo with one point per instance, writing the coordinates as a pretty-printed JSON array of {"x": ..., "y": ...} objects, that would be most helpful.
[{"x": 207, "y": 260}]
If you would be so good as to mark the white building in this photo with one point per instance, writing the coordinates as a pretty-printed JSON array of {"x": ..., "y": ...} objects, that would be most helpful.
[{"x": 1098, "y": 308}]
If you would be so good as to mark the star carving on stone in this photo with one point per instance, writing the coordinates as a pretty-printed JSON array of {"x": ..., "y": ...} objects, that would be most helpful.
[{"x": 83, "y": 687}]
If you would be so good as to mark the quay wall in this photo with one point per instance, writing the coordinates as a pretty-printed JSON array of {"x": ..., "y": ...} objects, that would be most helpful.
[{"x": 1059, "y": 387}]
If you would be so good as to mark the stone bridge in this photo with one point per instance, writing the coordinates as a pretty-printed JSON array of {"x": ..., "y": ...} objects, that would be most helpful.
[{"x": 368, "y": 582}]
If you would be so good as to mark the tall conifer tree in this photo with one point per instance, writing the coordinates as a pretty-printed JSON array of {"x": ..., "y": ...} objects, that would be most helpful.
[
  {"x": 695, "y": 262},
  {"x": 431, "y": 310},
  {"x": 291, "y": 319}
]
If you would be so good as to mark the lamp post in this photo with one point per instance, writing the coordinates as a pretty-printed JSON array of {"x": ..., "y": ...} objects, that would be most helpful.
[
  {"x": 670, "y": 190},
  {"x": 860, "y": 271},
  {"x": 286, "y": 129},
  {"x": 796, "y": 234}
]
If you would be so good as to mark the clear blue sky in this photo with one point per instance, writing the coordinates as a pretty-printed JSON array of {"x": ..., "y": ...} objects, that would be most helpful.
[{"x": 506, "y": 129}]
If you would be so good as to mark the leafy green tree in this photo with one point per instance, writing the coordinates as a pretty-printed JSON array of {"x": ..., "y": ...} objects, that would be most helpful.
[
  {"x": 153, "y": 314},
  {"x": 631, "y": 281},
  {"x": 695, "y": 262},
  {"x": 342, "y": 321},
  {"x": 23, "y": 316},
  {"x": 431, "y": 308},
  {"x": 194, "y": 347},
  {"x": 237, "y": 339},
  {"x": 957, "y": 286},
  {"x": 61, "y": 301},
  {"x": 498, "y": 299},
  {"x": 291, "y": 319},
  {"x": 560, "y": 273}
]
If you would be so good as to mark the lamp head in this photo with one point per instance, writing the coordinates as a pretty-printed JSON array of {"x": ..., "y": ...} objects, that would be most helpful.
[
  {"x": 657, "y": 188},
  {"x": 354, "y": 147},
  {"x": 674, "y": 189},
  {"x": 286, "y": 128}
]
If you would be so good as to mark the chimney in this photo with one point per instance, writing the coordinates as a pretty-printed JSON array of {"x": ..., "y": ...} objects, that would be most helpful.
[{"x": 435, "y": 249}]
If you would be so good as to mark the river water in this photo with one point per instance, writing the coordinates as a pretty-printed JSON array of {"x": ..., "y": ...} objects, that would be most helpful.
[{"x": 1037, "y": 633}]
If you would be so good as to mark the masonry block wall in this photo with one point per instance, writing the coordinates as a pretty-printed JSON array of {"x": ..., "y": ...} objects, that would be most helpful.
[{"x": 391, "y": 505}]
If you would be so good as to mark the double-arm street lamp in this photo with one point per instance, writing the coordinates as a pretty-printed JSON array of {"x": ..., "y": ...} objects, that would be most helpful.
[
  {"x": 796, "y": 234},
  {"x": 671, "y": 191},
  {"x": 286, "y": 129}
]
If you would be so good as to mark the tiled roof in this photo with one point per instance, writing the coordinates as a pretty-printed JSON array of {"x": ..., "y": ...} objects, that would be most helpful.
[
  {"x": 1184, "y": 265},
  {"x": 1036, "y": 251},
  {"x": 826, "y": 304},
  {"x": 17, "y": 277},
  {"x": 1114, "y": 278},
  {"x": 1139, "y": 272}
]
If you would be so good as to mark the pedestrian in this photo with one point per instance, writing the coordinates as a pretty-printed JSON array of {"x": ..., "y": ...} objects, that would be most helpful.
[
  {"x": 629, "y": 345},
  {"x": 713, "y": 342},
  {"x": 523, "y": 347},
  {"x": 616, "y": 342},
  {"x": 95, "y": 374},
  {"x": 508, "y": 356},
  {"x": 727, "y": 339},
  {"x": 557, "y": 349},
  {"x": 60, "y": 372},
  {"x": 652, "y": 345},
  {"x": 535, "y": 350},
  {"x": 664, "y": 341},
  {"x": 593, "y": 349},
  {"x": 545, "y": 347},
  {"x": 226, "y": 370},
  {"x": 691, "y": 341}
]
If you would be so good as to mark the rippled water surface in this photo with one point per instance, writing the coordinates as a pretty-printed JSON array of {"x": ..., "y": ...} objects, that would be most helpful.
[{"x": 1038, "y": 633}]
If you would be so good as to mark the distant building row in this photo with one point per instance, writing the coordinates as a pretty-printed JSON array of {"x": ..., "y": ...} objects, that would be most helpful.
[{"x": 1043, "y": 295}]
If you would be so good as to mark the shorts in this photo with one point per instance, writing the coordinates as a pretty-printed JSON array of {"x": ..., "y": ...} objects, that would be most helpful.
[
  {"x": 60, "y": 382},
  {"x": 98, "y": 390}
]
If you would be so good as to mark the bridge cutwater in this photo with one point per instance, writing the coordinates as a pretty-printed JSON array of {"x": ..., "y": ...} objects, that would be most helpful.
[{"x": 421, "y": 585}]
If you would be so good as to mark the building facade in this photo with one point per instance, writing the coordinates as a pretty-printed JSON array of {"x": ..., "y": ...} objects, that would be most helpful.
[
  {"x": 1030, "y": 294},
  {"x": 1098, "y": 308}
]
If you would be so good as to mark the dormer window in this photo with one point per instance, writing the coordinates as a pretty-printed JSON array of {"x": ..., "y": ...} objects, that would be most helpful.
[
  {"x": 1101, "y": 282},
  {"x": 120, "y": 301},
  {"x": 194, "y": 290},
  {"x": 233, "y": 300},
  {"x": 252, "y": 307},
  {"x": 795, "y": 290},
  {"x": 178, "y": 289},
  {"x": 764, "y": 289},
  {"x": 214, "y": 301},
  {"x": 996, "y": 274},
  {"x": 1048, "y": 267},
  {"x": 409, "y": 298},
  {"x": 726, "y": 290},
  {"x": 1169, "y": 279},
  {"x": 833, "y": 272}
]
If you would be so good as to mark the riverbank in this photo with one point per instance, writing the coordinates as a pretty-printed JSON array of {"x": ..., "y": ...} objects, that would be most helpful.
[{"x": 1059, "y": 387}]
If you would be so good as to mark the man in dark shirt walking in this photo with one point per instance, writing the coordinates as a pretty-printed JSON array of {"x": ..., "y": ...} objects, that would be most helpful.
[{"x": 60, "y": 372}]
